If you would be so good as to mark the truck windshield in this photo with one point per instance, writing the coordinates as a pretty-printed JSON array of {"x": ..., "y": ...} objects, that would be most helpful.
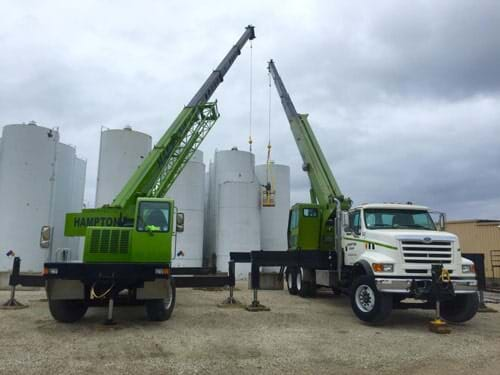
[
  {"x": 378, "y": 218},
  {"x": 153, "y": 216}
]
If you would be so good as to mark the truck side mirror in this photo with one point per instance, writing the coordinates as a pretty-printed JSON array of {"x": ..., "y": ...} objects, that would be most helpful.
[
  {"x": 179, "y": 222},
  {"x": 442, "y": 222},
  {"x": 45, "y": 235}
]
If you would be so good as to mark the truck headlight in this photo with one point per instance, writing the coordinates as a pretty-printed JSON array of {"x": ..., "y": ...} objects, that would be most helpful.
[
  {"x": 468, "y": 268},
  {"x": 383, "y": 267}
]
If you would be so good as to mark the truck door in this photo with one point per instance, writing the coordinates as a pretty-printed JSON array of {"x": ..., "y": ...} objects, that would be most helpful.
[{"x": 353, "y": 245}]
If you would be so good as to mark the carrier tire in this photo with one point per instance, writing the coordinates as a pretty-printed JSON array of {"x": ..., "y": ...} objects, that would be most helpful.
[
  {"x": 67, "y": 311},
  {"x": 368, "y": 303},
  {"x": 461, "y": 308},
  {"x": 291, "y": 274},
  {"x": 159, "y": 310}
]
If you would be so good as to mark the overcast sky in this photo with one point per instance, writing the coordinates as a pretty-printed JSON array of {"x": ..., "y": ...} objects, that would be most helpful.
[{"x": 404, "y": 97}]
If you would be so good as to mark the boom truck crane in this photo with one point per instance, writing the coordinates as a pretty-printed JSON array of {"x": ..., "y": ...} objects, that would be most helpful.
[
  {"x": 129, "y": 243},
  {"x": 379, "y": 254}
]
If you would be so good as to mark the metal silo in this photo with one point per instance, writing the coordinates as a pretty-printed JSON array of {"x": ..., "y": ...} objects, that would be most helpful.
[
  {"x": 188, "y": 193},
  {"x": 26, "y": 188},
  {"x": 274, "y": 220},
  {"x": 78, "y": 191},
  {"x": 63, "y": 182},
  {"x": 121, "y": 152},
  {"x": 237, "y": 220}
]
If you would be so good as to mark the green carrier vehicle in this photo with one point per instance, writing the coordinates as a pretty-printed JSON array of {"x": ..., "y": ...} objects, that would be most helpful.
[{"x": 130, "y": 242}]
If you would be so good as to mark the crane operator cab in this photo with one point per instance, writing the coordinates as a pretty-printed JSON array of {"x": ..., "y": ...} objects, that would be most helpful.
[{"x": 149, "y": 240}]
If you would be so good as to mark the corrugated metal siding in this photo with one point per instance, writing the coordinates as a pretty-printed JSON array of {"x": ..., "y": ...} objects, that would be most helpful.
[{"x": 478, "y": 238}]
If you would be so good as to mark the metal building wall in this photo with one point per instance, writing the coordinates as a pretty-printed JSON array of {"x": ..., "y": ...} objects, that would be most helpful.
[
  {"x": 478, "y": 236},
  {"x": 121, "y": 152},
  {"x": 188, "y": 192}
]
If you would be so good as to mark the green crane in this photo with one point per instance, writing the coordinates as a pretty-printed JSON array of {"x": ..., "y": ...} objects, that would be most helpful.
[
  {"x": 129, "y": 242},
  {"x": 311, "y": 226},
  {"x": 109, "y": 230}
]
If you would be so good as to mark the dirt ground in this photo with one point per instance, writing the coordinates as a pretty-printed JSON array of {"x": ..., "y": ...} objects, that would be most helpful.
[{"x": 298, "y": 336}]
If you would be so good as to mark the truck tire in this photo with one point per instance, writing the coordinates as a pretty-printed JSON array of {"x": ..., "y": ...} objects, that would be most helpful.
[
  {"x": 291, "y": 274},
  {"x": 159, "y": 310},
  {"x": 67, "y": 311},
  {"x": 368, "y": 303},
  {"x": 461, "y": 308},
  {"x": 306, "y": 285}
]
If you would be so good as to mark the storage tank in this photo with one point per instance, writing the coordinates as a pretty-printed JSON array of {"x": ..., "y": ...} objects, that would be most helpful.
[
  {"x": 77, "y": 196},
  {"x": 236, "y": 203},
  {"x": 64, "y": 175},
  {"x": 188, "y": 193},
  {"x": 26, "y": 171},
  {"x": 121, "y": 152},
  {"x": 274, "y": 220}
]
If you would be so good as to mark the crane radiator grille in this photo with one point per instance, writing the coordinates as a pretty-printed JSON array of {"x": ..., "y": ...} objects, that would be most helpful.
[{"x": 109, "y": 241}]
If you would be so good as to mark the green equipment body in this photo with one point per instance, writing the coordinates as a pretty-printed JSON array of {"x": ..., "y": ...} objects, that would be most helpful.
[{"x": 149, "y": 240}]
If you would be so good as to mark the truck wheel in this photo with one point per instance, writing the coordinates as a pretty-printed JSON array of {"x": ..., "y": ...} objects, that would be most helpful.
[
  {"x": 159, "y": 310},
  {"x": 306, "y": 285},
  {"x": 67, "y": 311},
  {"x": 461, "y": 308},
  {"x": 290, "y": 281},
  {"x": 368, "y": 303}
]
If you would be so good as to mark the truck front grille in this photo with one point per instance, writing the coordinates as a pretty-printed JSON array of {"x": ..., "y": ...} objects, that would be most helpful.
[{"x": 420, "y": 252}]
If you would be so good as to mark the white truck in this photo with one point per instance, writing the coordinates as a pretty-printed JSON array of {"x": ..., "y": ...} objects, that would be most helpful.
[{"x": 384, "y": 256}]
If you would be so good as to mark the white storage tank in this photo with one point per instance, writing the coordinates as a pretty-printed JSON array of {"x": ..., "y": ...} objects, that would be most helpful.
[
  {"x": 274, "y": 220},
  {"x": 236, "y": 207},
  {"x": 121, "y": 152},
  {"x": 26, "y": 170},
  {"x": 188, "y": 193},
  {"x": 62, "y": 201},
  {"x": 77, "y": 196}
]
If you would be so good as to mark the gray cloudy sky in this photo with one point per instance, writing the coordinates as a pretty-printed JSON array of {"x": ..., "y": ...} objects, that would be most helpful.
[{"x": 403, "y": 96}]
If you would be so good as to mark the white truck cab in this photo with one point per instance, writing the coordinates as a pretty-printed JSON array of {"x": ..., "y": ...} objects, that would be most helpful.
[{"x": 391, "y": 249}]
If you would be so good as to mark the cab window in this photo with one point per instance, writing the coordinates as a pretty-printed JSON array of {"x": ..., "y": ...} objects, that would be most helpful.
[
  {"x": 293, "y": 219},
  {"x": 310, "y": 212},
  {"x": 153, "y": 217},
  {"x": 354, "y": 221}
]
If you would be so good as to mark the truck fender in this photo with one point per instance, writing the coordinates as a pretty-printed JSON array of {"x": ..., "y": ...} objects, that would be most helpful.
[{"x": 362, "y": 267}]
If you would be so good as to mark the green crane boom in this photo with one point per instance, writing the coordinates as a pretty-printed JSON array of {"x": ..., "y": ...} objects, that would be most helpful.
[
  {"x": 163, "y": 164},
  {"x": 324, "y": 187}
]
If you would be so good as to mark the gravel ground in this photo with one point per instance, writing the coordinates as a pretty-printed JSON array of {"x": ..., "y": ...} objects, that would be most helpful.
[{"x": 298, "y": 336}]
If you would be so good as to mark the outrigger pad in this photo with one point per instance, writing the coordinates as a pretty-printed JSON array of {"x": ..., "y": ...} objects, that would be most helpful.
[
  {"x": 439, "y": 326},
  {"x": 230, "y": 302},
  {"x": 256, "y": 306},
  {"x": 13, "y": 304}
]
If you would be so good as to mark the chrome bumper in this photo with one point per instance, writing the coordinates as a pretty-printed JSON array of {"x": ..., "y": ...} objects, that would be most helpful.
[{"x": 404, "y": 285}]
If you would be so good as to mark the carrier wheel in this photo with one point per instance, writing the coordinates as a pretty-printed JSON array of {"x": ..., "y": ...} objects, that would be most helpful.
[
  {"x": 67, "y": 311},
  {"x": 291, "y": 280},
  {"x": 461, "y": 308},
  {"x": 368, "y": 303},
  {"x": 159, "y": 310},
  {"x": 306, "y": 283}
]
